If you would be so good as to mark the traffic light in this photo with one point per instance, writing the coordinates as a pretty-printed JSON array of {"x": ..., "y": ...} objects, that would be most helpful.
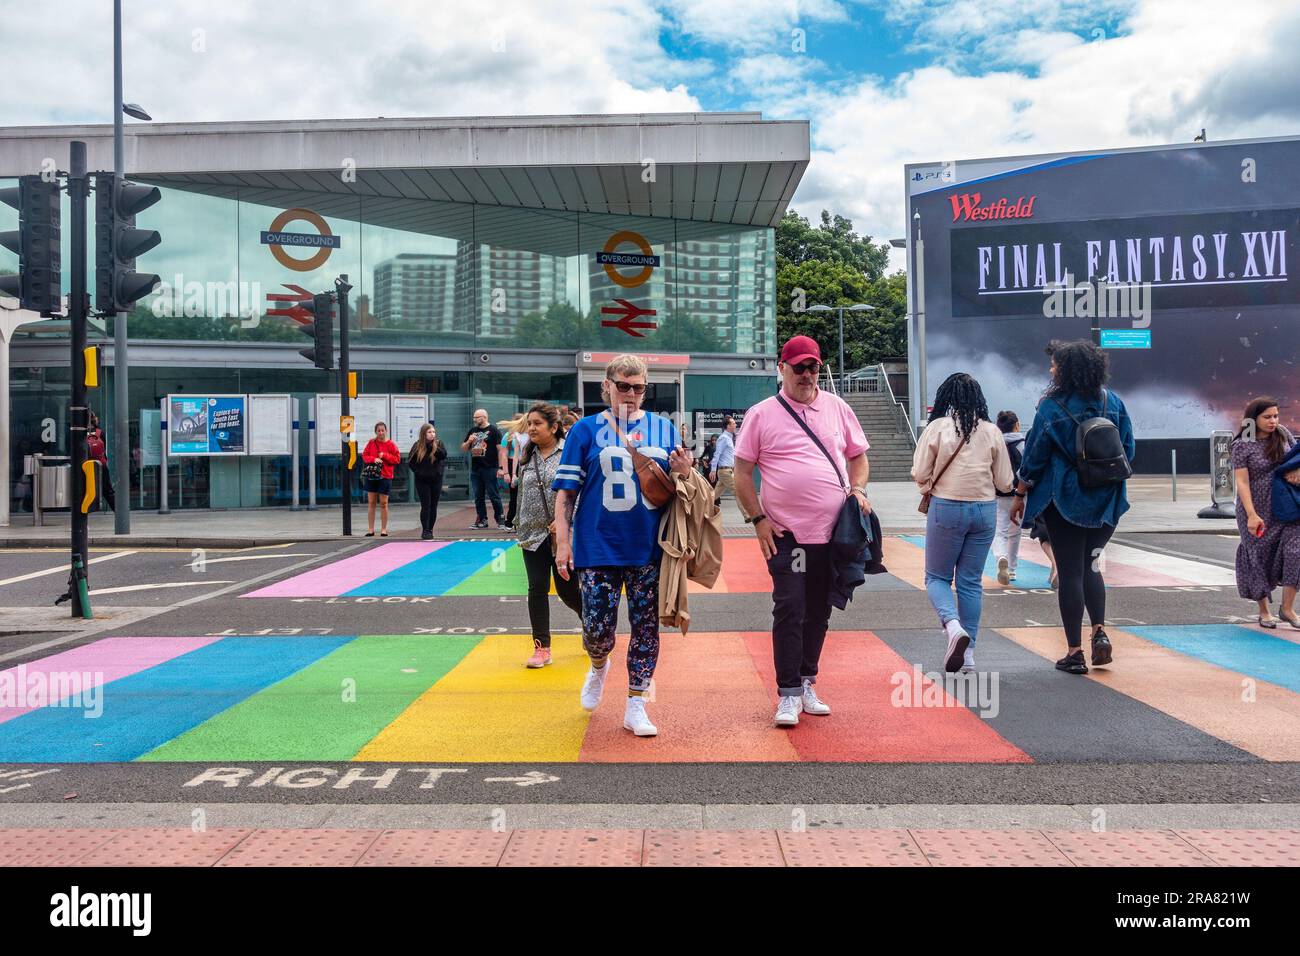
[
  {"x": 118, "y": 242},
  {"x": 38, "y": 284},
  {"x": 321, "y": 330}
]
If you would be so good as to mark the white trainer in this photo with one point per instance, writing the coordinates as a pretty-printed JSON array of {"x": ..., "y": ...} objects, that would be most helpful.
[
  {"x": 958, "y": 641},
  {"x": 636, "y": 720},
  {"x": 593, "y": 688},
  {"x": 1004, "y": 571},
  {"x": 812, "y": 704},
  {"x": 788, "y": 710},
  {"x": 968, "y": 661}
]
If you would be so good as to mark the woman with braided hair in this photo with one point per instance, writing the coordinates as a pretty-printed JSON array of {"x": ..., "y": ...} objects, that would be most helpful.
[{"x": 961, "y": 460}]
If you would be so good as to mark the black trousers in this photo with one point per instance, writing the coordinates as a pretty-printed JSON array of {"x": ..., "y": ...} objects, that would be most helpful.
[
  {"x": 540, "y": 565},
  {"x": 429, "y": 492},
  {"x": 1079, "y": 583},
  {"x": 801, "y": 610},
  {"x": 105, "y": 479},
  {"x": 513, "y": 509}
]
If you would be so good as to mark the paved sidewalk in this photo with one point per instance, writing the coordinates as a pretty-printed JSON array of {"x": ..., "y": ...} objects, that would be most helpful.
[
  {"x": 1152, "y": 511},
  {"x": 182, "y": 846}
]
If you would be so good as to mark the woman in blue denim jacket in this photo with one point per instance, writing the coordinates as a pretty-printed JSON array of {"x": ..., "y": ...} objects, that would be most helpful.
[{"x": 1079, "y": 520}]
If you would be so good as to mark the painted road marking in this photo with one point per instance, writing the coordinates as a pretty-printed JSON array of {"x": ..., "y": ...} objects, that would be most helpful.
[
  {"x": 255, "y": 557},
  {"x": 153, "y": 587},
  {"x": 63, "y": 568}
]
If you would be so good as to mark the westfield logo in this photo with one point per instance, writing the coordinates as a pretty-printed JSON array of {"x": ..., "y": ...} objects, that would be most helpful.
[{"x": 967, "y": 207}]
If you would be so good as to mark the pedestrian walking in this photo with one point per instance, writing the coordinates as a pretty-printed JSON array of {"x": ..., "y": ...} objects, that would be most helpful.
[
  {"x": 97, "y": 451},
  {"x": 1269, "y": 552},
  {"x": 722, "y": 467},
  {"x": 1074, "y": 472},
  {"x": 615, "y": 464},
  {"x": 427, "y": 460},
  {"x": 805, "y": 442},
  {"x": 514, "y": 435},
  {"x": 487, "y": 465},
  {"x": 379, "y": 457},
  {"x": 961, "y": 462},
  {"x": 1006, "y": 539},
  {"x": 535, "y": 527}
]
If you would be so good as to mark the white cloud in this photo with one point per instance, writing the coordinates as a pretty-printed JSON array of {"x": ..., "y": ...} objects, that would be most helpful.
[{"x": 751, "y": 24}]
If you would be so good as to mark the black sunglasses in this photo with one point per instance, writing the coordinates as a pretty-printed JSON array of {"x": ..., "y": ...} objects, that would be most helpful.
[
  {"x": 806, "y": 367},
  {"x": 626, "y": 387}
]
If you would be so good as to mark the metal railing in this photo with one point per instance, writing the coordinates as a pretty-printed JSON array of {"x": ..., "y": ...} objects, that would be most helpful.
[{"x": 873, "y": 379}]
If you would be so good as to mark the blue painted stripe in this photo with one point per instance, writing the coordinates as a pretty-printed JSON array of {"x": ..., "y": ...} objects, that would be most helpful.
[
  {"x": 435, "y": 573},
  {"x": 1020, "y": 171},
  {"x": 1029, "y": 574},
  {"x": 148, "y": 709},
  {"x": 1239, "y": 649}
]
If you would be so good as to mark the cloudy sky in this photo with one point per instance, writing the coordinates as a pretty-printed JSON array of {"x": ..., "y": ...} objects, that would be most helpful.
[{"x": 884, "y": 82}]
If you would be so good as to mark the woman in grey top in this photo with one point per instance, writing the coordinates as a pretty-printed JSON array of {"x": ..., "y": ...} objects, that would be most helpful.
[{"x": 535, "y": 523}]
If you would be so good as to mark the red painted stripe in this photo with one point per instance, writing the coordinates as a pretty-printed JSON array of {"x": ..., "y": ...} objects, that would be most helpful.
[
  {"x": 865, "y": 725},
  {"x": 744, "y": 568}
]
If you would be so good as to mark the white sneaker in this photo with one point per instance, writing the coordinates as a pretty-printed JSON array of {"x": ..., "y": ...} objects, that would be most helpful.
[
  {"x": 812, "y": 704},
  {"x": 958, "y": 641},
  {"x": 636, "y": 720},
  {"x": 968, "y": 661},
  {"x": 593, "y": 688},
  {"x": 787, "y": 711},
  {"x": 1004, "y": 571}
]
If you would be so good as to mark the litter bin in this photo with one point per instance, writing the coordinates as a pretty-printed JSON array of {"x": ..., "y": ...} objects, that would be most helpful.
[{"x": 52, "y": 485}]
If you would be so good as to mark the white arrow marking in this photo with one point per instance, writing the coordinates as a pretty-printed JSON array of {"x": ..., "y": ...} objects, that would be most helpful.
[{"x": 527, "y": 780}]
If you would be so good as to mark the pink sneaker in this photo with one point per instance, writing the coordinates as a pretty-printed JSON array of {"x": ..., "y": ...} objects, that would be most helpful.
[{"x": 541, "y": 656}]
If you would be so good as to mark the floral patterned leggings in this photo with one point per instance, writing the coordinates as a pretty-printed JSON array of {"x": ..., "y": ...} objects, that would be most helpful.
[{"x": 601, "y": 588}]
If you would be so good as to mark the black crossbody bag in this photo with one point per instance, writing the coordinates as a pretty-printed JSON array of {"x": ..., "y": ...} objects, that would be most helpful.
[{"x": 849, "y": 521}]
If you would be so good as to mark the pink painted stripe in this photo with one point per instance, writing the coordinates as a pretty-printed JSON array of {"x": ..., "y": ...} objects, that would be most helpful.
[
  {"x": 342, "y": 576},
  {"x": 1117, "y": 574},
  {"x": 99, "y": 663}
]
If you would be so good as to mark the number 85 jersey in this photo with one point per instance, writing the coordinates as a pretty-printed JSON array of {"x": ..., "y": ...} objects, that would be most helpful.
[{"x": 613, "y": 525}]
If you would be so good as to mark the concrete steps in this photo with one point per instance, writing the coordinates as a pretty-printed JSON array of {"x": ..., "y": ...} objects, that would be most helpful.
[{"x": 891, "y": 445}]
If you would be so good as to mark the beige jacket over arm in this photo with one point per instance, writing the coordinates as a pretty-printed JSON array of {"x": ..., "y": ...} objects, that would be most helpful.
[
  {"x": 690, "y": 533},
  {"x": 981, "y": 466}
]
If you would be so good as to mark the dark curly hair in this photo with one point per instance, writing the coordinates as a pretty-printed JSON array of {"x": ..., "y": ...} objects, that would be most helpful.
[
  {"x": 961, "y": 396},
  {"x": 1082, "y": 369}
]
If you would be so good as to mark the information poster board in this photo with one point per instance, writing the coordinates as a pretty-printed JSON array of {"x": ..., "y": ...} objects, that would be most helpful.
[
  {"x": 366, "y": 409},
  {"x": 270, "y": 424},
  {"x": 150, "y": 437},
  {"x": 408, "y": 413},
  {"x": 206, "y": 424}
]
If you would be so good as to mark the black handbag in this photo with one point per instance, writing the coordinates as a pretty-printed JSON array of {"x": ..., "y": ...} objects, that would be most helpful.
[{"x": 850, "y": 519}]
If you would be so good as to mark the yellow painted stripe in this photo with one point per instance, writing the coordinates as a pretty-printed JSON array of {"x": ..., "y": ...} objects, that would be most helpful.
[
  {"x": 1212, "y": 699},
  {"x": 491, "y": 708}
]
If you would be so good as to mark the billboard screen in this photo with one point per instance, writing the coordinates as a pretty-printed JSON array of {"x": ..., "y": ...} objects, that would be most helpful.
[{"x": 1186, "y": 256}]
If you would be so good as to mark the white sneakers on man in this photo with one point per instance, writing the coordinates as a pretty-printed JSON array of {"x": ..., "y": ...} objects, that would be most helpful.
[
  {"x": 788, "y": 710},
  {"x": 812, "y": 704},
  {"x": 636, "y": 720},
  {"x": 1004, "y": 571},
  {"x": 593, "y": 688}
]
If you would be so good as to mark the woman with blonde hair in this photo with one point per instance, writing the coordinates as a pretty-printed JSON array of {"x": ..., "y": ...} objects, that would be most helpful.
[{"x": 514, "y": 434}]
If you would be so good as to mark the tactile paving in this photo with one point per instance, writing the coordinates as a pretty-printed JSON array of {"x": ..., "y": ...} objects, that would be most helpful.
[
  {"x": 436, "y": 848},
  {"x": 573, "y": 848},
  {"x": 1247, "y": 847},
  {"x": 851, "y": 848},
  {"x": 301, "y": 848},
  {"x": 712, "y": 848},
  {"x": 173, "y": 846},
  {"x": 49, "y": 846},
  {"x": 988, "y": 848},
  {"x": 1126, "y": 848}
]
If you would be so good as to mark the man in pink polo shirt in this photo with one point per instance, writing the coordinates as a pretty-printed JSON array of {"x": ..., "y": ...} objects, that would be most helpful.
[{"x": 802, "y": 497}]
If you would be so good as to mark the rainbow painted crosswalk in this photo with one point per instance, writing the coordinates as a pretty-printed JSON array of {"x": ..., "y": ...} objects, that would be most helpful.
[
  {"x": 1213, "y": 693},
  {"x": 488, "y": 568}
]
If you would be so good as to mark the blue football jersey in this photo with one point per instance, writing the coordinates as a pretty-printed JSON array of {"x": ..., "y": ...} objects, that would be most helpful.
[{"x": 612, "y": 524}]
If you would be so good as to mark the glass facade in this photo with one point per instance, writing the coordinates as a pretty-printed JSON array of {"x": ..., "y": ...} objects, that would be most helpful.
[{"x": 425, "y": 275}]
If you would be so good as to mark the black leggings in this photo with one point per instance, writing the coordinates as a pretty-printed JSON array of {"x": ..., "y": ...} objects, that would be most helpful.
[
  {"x": 540, "y": 565},
  {"x": 429, "y": 492},
  {"x": 1079, "y": 583}
]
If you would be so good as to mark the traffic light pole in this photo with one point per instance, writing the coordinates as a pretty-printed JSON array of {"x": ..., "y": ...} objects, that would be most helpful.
[
  {"x": 121, "y": 409},
  {"x": 79, "y": 418},
  {"x": 345, "y": 406}
]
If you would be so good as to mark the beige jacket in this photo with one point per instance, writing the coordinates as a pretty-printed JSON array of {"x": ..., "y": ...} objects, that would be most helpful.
[
  {"x": 690, "y": 533},
  {"x": 981, "y": 466}
]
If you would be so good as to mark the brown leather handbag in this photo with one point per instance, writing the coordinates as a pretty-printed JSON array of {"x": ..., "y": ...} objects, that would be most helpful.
[
  {"x": 656, "y": 487},
  {"x": 924, "y": 506}
]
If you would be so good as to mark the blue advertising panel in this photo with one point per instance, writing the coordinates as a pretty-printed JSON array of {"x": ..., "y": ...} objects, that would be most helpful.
[{"x": 206, "y": 424}]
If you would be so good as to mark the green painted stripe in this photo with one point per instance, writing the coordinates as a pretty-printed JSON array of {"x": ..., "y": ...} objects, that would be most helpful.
[
  {"x": 505, "y": 575},
  {"x": 313, "y": 714}
]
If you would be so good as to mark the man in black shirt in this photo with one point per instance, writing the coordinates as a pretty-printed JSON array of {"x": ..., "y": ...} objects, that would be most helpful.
[{"x": 487, "y": 457}]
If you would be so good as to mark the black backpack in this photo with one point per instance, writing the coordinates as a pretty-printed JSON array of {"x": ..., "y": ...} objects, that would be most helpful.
[{"x": 1099, "y": 454}]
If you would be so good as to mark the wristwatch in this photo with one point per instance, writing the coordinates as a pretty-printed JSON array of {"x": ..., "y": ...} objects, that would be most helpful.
[
  {"x": 862, "y": 489},
  {"x": 756, "y": 519},
  {"x": 1019, "y": 494}
]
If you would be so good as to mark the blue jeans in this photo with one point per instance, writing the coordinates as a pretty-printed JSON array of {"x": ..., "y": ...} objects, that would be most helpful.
[
  {"x": 481, "y": 480},
  {"x": 957, "y": 539}
]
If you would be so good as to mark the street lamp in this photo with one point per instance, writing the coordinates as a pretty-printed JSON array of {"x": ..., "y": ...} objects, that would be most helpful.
[{"x": 856, "y": 307}]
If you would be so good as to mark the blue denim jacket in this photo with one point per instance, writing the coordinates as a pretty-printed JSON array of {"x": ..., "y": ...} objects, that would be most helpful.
[{"x": 1048, "y": 464}]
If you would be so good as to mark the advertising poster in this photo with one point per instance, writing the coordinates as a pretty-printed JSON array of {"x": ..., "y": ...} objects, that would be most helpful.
[{"x": 206, "y": 424}]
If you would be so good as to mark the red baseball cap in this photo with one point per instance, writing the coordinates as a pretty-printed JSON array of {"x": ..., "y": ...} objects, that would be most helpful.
[{"x": 799, "y": 348}]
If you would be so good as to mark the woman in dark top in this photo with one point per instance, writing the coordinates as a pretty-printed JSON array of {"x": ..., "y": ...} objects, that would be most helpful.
[
  {"x": 426, "y": 459},
  {"x": 1079, "y": 520},
  {"x": 1269, "y": 553}
]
